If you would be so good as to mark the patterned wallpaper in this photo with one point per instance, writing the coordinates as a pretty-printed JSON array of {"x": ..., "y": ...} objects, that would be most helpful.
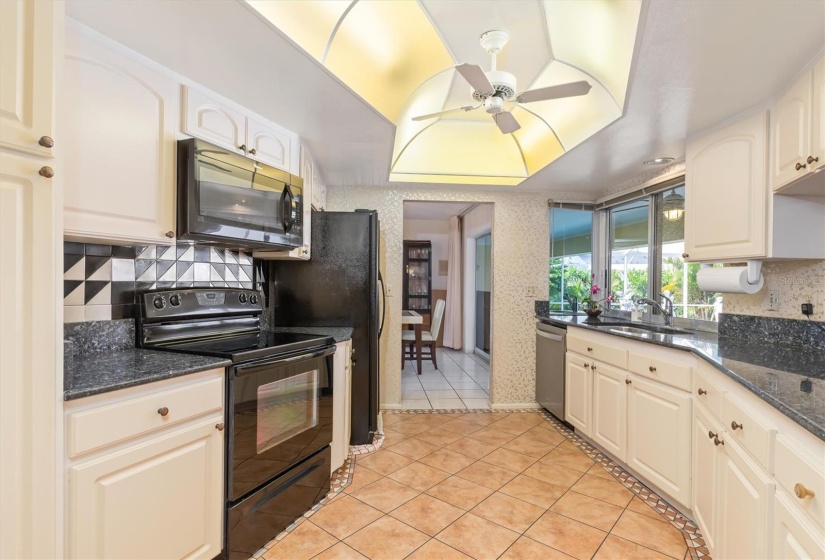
[
  {"x": 99, "y": 281},
  {"x": 520, "y": 261},
  {"x": 797, "y": 282}
]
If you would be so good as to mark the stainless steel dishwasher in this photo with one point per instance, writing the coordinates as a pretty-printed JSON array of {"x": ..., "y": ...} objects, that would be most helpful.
[{"x": 550, "y": 350}]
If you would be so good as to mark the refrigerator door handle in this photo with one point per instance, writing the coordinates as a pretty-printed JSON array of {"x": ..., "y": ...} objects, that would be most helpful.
[{"x": 383, "y": 304}]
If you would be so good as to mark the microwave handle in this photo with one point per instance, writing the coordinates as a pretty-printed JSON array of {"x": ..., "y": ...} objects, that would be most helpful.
[
  {"x": 246, "y": 370},
  {"x": 286, "y": 207}
]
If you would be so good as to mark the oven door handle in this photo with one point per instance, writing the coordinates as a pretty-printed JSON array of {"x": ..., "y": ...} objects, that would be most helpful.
[{"x": 247, "y": 370}]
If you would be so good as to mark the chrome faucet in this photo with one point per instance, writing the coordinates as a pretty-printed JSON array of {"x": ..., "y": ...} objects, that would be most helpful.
[{"x": 666, "y": 310}]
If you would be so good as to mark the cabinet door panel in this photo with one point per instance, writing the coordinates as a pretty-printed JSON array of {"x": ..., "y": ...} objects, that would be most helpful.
[
  {"x": 818, "y": 121},
  {"x": 659, "y": 436},
  {"x": 744, "y": 505},
  {"x": 119, "y": 158},
  {"x": 730, "y": 161},
  {"x": 272, "y": 146},
  {"x": 159, "y": 499},
  {"x": 26, "y": 56},
  {"x": 610, "y": 409},
  {"x": 706, "y": 458},
  {"x": 577, "y": 393},
  {"x": 791, "y": 132},
  {"x": 794, "y": 538},
  {"x": 211, "y": 120}
]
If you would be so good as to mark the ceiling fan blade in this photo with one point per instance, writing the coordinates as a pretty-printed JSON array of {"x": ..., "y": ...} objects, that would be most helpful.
[
  {"x": 446, "y": 112},
  {"x": 476, "y": 77},
  {"x": 506, "y": 122},
  {"x": 572, "y": 89}
]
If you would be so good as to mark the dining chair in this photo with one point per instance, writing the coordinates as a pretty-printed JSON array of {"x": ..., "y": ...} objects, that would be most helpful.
[{"x": 428, "y": 338}]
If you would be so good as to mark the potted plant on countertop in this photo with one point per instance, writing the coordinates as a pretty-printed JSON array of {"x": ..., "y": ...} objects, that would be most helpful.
[{"x": 593, "y": 290}]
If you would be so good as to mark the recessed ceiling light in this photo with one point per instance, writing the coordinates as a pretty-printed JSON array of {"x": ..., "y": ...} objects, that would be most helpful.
[{"x": 659, "y": 161}]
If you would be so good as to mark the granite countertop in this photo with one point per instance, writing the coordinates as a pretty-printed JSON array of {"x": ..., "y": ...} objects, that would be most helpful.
[
  {"x": 789, "y": 378},
  {"x": 101, "y": 372},
  {"x": 340, "y": 334}
]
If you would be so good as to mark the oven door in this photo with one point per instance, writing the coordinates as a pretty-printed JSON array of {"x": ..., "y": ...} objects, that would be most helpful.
[
  {"x": 280, "y": 413},
  {"x": 230, "y": 199}
]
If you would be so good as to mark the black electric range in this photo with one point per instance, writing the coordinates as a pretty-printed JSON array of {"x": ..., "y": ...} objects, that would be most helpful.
[{"x": 278, "y": 404}]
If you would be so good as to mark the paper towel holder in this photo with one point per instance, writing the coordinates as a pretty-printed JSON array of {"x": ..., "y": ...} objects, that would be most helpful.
[{"x": 754, "y": 270}]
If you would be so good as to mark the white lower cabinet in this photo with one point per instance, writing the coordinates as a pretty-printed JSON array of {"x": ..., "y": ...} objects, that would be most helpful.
[
  {"x": 161, "y": 499},
  {"x": 658, "y": 436},
  {"x": 610, "y": 409},
  {"x": 745, "y": 503},
  {"x": 578, "y": 381},
  {"x": 794, "y": 537},
  {"x": 707, "y": 458},
  {"x": 341, "y": 403}
]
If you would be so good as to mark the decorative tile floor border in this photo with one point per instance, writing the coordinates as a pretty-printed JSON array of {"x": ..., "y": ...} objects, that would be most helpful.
[{"x": 343, "y": 476}]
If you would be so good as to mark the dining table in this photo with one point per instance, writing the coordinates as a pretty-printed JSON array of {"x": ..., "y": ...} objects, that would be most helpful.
[{"x": 410, "y": 317}]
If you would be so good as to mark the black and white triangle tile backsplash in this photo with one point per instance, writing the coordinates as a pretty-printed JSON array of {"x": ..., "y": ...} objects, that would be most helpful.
[{"x": 99, "y": 281}]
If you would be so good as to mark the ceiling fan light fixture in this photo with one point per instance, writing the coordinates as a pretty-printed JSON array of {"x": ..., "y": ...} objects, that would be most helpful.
[
  {"x": 659, "y": 161},
  {"x": 673, "y": 206}
]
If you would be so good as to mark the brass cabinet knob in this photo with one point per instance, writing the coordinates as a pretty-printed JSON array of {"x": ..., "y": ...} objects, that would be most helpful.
[
  {"x": 593, "y": 367},
  {"x": 800, "y": 166},
  {"x": 170, "y": 234},
  {"x": 652, "y": 369},
  {"x": 735, "y": 426},
  {"x": 685, "y": 255},
  {"x": 163, "y": 411},
  {"x": 718, "y": 442},
  {"x": 242, "y": 148},
  {"x": 253, "y": 151},
  {"x": 48, "y": 142},
  {"x": 627, "y": 381},
  {"x": 812, "y": 159},
  {"x": 589, "y": 348},
  {"x": 702, "y": 391},
  {"x": 219, "y": 427},
  {"x": 46, "y": 172},
  {"x": 587, "y": 365},
  {"x": 802, "y": 492},
  {"x": 711, "y": 435}
]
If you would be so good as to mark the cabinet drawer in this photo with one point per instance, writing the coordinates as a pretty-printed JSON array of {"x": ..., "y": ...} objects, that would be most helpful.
[
  {"x": 793, "y": 466},
  {"x": 108, "y": 424},
  {"x": 672, "y": 368},
  {"x": 598, "y": 347},
  {"x": 755, "y": 436},
  {"x": 707, "y": 392}
]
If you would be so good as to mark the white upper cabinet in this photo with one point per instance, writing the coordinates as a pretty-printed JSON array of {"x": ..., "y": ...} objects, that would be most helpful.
[
  {"x": 213, "y": 121},
  {"x": 798, "y": 133},
  {"x": 117, "y": 120},
  {"x": 791, "y": 117},
  {"x": 26, "y": 57},
  {"x": 726, "y": 192},
  {"x": 222, "y": 123}
]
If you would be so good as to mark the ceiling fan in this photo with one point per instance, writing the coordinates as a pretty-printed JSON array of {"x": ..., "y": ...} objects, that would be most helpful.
[{"x": 491, "y": 89}]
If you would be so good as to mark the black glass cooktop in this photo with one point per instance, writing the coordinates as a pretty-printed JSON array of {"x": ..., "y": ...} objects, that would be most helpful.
[{"x": 252, "y": 346}]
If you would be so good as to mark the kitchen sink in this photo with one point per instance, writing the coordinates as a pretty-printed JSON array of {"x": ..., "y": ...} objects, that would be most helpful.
[{"x": 630, "y": 327}]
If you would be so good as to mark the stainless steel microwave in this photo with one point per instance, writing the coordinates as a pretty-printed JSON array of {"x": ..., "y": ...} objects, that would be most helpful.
[{"x": 233, "y": 201}]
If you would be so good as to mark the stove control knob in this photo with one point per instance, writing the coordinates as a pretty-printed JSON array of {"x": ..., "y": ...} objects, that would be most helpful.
[
  {"x": 174, "y": 300},
  {"x": 253, "y": 299},
  {"x": 242, "y": 297},
  {"x": 159, "y": 303}
]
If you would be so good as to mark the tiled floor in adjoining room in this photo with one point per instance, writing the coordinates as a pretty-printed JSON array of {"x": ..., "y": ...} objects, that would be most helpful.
[
  {"x": 461, "y": 381},
  {"x": 481, "y": 486}
]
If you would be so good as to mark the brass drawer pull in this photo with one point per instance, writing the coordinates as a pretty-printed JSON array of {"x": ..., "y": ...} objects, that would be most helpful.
[
  {"x": 219, "y": 427},
  {"x": 800, "y": 166},
  {"x": 652, "y": 369},
  {"x": 736, "y": 426},
  {"x": 711, "y": 435},
  {"x": 589, "y": 348},
  {"x": 812, "y": 159},
  {"x": 702, "y": 391},
  {"x": 48, "y": 142},
  {"x": 627, "y": 381},
  {"x": 718, "y": 442},
  {"x": 253, "y": 151},
  {"x": 163, "y": 411},
  {"x": 802, "y": 492},
  {"x": 46, "y": 172},
  {"x": 593, "y": 367}
]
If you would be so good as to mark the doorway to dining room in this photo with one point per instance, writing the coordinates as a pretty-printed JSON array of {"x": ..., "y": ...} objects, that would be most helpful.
[{"x": 447, "y": 276}]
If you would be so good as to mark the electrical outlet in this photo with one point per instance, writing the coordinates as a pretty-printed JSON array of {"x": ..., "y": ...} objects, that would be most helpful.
[
  {"x": 389, "y": 291},
  {"x": 816, "y": 310},
  {"x": 773, "y": 300}
]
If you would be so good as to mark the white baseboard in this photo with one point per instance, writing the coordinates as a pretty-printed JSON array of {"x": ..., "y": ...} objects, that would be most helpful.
[
  {"x": 384, "y": 406},
  {"x": 514, "y": 406}
]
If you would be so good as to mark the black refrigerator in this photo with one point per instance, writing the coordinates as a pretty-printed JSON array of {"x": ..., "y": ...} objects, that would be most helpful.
[{"x": 340, "y": 286}]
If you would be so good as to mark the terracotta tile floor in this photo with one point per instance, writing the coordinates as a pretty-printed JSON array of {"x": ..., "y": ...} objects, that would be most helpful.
[{"x": 482, "y": 486}]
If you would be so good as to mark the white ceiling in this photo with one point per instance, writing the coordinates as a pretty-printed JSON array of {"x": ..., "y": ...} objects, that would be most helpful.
[
  {"x": 698, "y": 63},
  {"x": 434, "y": 210}
]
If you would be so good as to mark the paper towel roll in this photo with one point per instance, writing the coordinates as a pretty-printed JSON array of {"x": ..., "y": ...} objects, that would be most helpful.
[{"x": 728, "y": 279}]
